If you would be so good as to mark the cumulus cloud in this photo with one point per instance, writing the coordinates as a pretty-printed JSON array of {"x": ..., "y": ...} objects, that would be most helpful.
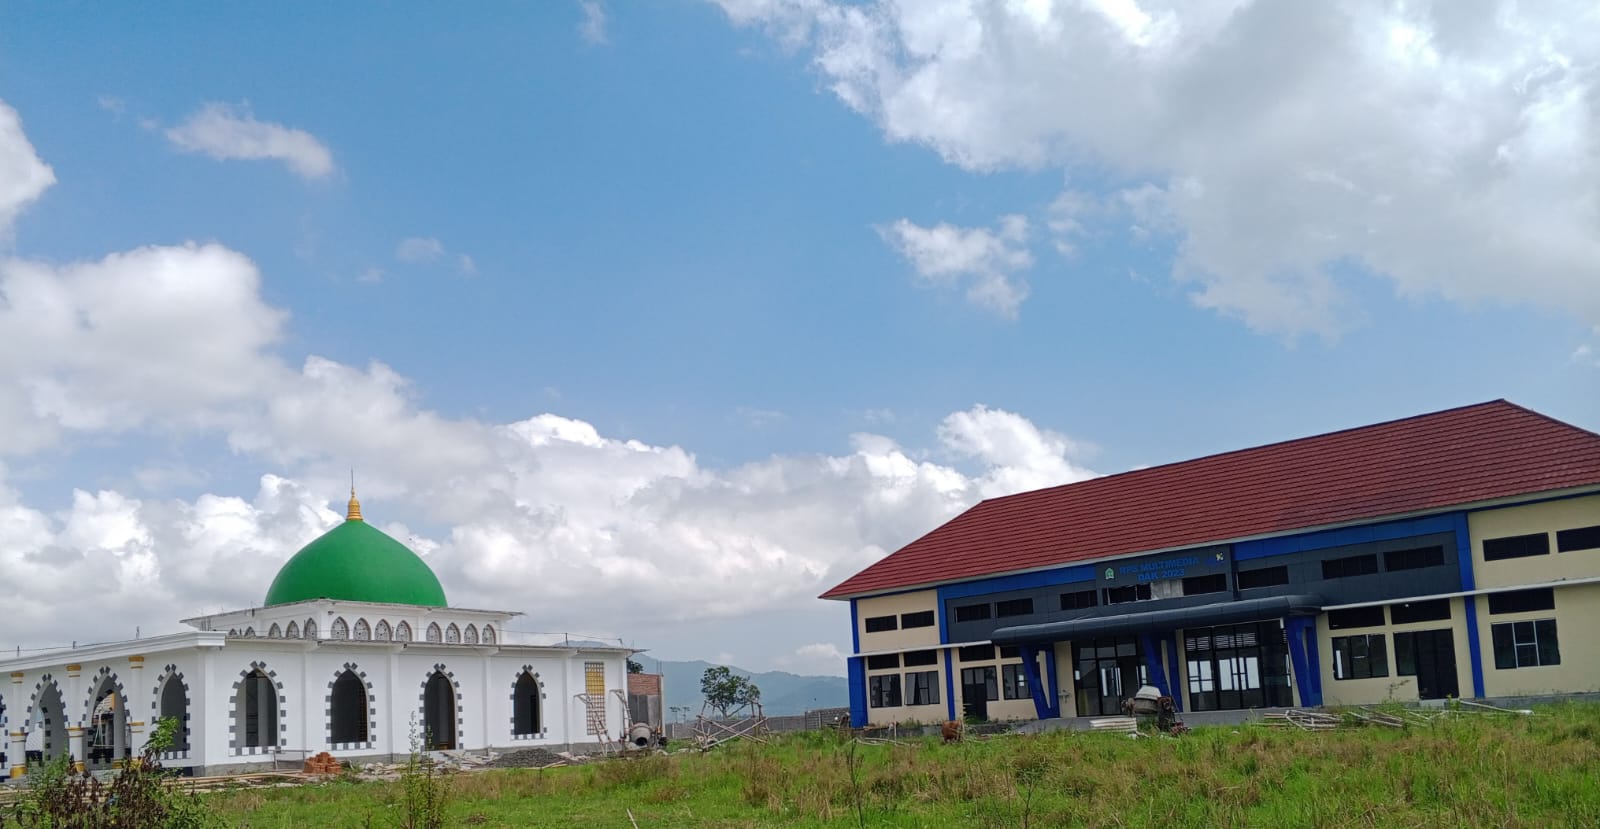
[
  {"x": 108, "y": 346},
  {"x": 23, "y": 176},
  {"x": 1452, "y": 148},
  {"x": 982, "y": 259},
  {"x": 225, "y": 132}
]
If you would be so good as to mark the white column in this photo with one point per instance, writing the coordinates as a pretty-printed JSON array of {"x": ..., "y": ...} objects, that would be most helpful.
[
  {"x": 75, "y": 746},
  {"x": 135, "y": 705},
  {"x": 18, "y": 755},
  {"x": 71, "y": 698}
]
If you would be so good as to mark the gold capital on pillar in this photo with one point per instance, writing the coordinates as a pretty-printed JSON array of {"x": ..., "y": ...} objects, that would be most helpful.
[
  {"x": 136, "y": 661},
  {"x": 72, "y": 670}
]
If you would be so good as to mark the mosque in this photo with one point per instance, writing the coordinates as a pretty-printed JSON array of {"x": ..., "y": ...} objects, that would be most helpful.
[{"x": 354, "y": 652}]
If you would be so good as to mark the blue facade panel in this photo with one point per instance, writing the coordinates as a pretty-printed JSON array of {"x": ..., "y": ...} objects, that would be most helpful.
[
  {"x": 856, "y": 670},
  {"x": 1262, "y": 548},
  {"x": 1022, "y": 581}
]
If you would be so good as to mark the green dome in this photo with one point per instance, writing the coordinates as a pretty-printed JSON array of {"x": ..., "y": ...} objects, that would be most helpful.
[{"x": 356, "y": 562}]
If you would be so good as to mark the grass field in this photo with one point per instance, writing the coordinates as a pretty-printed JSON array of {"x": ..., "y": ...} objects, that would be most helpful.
[{"x": 1470, "y": 771}]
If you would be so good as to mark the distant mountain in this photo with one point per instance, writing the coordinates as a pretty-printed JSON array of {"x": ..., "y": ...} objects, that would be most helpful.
[{"x": 782, "y": 693}]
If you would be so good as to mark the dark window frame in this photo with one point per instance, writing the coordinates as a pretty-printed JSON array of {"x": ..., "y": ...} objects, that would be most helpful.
[
  {"x": 1349, "y": 567},
  {"x": 1531, "y": 643},
  {"x": 881, "y": 624},
  {"x": 1013, "y": 607},
  {"x": 919, "y": 619},
  {"x": 1080, "y": 600},
  {"x": 1533, "y": 600},
  {"x": 883, "y": 691},
  {"x": 1371, "y": 616},
  {"x": 1578, "y": 538},
  {"x": 973, "y": 612},
  {"x": 1414, "y": 558},
  {"x": 968, "y": 653},
  {"x": 922, "y": 688},
  {"x": 1014, "y": 682},
  {"x": 1274, "y": 576},
  {"x": 883, "y": 661},
  {"x": 1410, "y": 613},
  {"x": 917, "y": 659},
  {"x": 1202, "y": 585},
  {"x": 1115, "y": 595},
  {"x": 1516, "y": 546},
  {"x": 1360, "y": 656}
]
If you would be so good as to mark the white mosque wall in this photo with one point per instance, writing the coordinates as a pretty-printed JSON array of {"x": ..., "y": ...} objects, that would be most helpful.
[{"x": 211, "y": 667}]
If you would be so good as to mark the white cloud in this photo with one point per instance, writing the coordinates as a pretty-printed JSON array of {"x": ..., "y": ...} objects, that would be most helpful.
[
  {"x": 1453, "y": 148},
  {"x": 23, "y": 176},
  {"x": 417, "y": 250},
  {"x": 109, "y": 346},
  {"x": 426, "y": 250},
  {"x": 370, "y": 276},
  {"x": 593, "y": 27},
  {"x": 224, "y": 132},
  {"x": 984, "y": 260}
]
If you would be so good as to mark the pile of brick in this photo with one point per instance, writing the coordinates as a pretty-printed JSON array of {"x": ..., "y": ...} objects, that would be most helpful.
[{"x": 322, "y": 764}]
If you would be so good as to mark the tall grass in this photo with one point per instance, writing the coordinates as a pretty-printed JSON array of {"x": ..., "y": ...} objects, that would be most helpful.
[{"x": 1474, "y": 771}]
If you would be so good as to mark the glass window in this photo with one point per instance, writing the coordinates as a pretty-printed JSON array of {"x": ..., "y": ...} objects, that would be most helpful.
[
  {"x": 1582, "y": 538},
  {"x": 1196, "y": 585},
  {"x": 883, "y": 661},
  {"x": 923, "y": 619},
  {"x": 914, "y": 658},
  {"x": 1079, "y": 600},
  {"x": 1525, "y": 644},
  {"x": 1414, "y": 559},
  {"x": 879, "y": 624},
  {"x": 1013, "y": 607},
  {"x": 1343, "y": 568},
  {"x": 883, "y": 691},
  {"x": 1014, "y": 681},
  {"x": 984, "y": 677},
  {"x": 1263, "y": 577},
  {"x": 1516, "y": 546},
  {"x": 1522, "y": 601},
  {"x": 1356, "y": 617},
  {"x": 1128, "y": 593},
  {"x": 1406, "y": 613},
  {"x": 976, "y": 653},
  {"x": 972, "y": 613},
  {"x": 1360, "y": 657},
  {"x": 922, "y": 688}
]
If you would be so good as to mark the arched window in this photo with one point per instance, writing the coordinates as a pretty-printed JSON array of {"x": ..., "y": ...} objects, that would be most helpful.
[
  {"x": 293, "y": 631},
  {"x": 434, "y": 634},
  {"x": 311, "y": 628},
  {"x": 274, "y": 632},
  {"x": 471, "y": 636},
  {"x": 527, "y": 710},
  {"x": 175, "y": 705},
  {"x": 381, "y": 632},
  {"x": 438, "y": 711},
  {"x": 363, "y": 632},
  {"x": 233, "y": 632},
  {"x": 402, "y": 633},
  {"x": 249, "y": 633},
  {"x": 452, "y": 635},
  {"x": 256, "y": 711},
  {"x": 488, "y": 634},
  {"x": 347, "y": 718},
  {"x": 339, "y": 629}
]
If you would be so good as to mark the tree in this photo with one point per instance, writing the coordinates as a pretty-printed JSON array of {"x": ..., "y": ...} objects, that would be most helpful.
[
  {"x": 634, "y": 667},
  {"x": 727, "y": 692}
]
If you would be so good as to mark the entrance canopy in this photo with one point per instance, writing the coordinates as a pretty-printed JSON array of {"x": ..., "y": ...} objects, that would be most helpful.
[{"x": 1220, "y": 613}]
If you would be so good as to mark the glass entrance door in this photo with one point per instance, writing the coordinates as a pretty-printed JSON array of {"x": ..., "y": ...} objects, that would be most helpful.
[
  {"x": 1238, "y": 666},
  {"x": 1105, "y": 671},
  {"x": 1431, "y": 656}
]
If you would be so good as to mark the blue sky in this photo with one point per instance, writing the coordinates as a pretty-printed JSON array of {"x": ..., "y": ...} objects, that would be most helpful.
[{"x": 738, "y": 235}]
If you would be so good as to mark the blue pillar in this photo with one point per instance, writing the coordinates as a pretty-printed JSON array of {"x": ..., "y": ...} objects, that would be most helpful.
[
  {"x": 1296, "y": 629},
  {"x": 1314, "y": 657},
  {"x": 857, "y": 669},
  {"x": 1152, "y": 661},
  {"x": 1172, "y": 669},
  {"x": 1030, "y": 668},
  {"x": 1055, "y": 680},
  {"x": 950, "y": 682},
  {"x": 1469, "y": 603}
]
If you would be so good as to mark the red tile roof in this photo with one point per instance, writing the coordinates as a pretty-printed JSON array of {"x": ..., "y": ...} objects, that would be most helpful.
[{"x": 1427, "y": 462}]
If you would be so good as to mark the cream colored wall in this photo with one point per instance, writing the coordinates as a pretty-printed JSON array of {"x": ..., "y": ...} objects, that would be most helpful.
[
  {"x": 1066, "y": 690},
  {"x": 1547, "y": 517},
  {"x": 1577, "y": 616},
  {"x": 935, "y": 713},
  {"x": 1391, "y": 687},
  {"x": 895, "y": 605}
]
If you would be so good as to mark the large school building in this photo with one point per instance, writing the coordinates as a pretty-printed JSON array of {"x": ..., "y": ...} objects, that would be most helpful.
[{"x": 1453, "y": 554}]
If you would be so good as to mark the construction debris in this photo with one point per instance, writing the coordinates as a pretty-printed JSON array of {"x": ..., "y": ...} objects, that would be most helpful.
[
  {"x": 322, "y": 764},
  {"x": 531, "y": 758}
]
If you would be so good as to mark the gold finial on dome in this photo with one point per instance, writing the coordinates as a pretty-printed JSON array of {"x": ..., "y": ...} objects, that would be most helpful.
[{"x": 354, "y": 511}]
